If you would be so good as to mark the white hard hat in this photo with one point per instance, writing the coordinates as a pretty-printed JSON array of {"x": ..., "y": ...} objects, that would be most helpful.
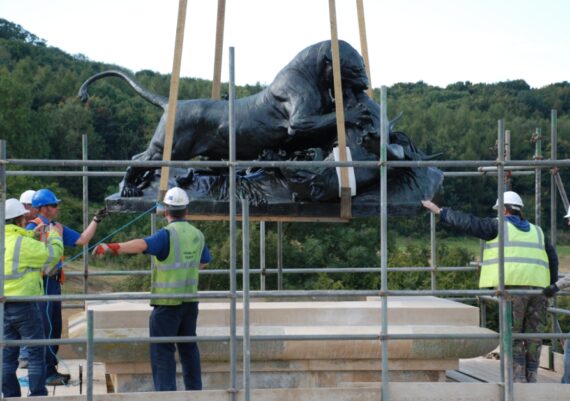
[
  {"x": 14, "y": 208},
  {"x": 27, "y": 196},
  {"x": 567, "y": 214},
  {"x": 176, "y": 198},
  {"x": 511, "y": 198}
]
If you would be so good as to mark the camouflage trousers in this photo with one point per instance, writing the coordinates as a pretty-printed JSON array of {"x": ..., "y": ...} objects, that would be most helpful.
[{"x": 529, "y": 316}]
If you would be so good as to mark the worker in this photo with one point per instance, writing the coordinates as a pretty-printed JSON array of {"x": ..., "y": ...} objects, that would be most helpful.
[
  {"x": 48, "y": 210},
  {"x": 24, "y": 259},
  {"x": 26, "y": 200},
  {"x": 179, "y": 251},
  {"x": 530, "y": 262},
  {"x": 550, "y": 291}
]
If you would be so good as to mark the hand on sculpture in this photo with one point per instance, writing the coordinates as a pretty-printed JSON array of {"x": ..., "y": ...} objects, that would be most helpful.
[
  {"x": 100, "y": 215},
  {"x": 103, "y": 249},
  {"x": 550, "y": 290},
  {"x": 432, "y": 207}
]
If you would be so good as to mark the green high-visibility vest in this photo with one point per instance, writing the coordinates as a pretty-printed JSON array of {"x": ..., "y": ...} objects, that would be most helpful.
[
  {"x": 178, "y": 273},
  {"x": 24, "y": 259},
  {"x": 526, "y": 261}
]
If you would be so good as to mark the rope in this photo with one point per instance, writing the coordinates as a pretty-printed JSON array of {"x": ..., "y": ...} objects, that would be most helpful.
[{"x": 140, "y": 216}]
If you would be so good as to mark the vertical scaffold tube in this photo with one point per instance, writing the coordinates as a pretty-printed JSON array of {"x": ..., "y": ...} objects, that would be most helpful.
[
  {"x": 280, "y": 256},
  {"x": 2, "y": 245},
  {"x": 262, "y": 266},
  {"x": 504, "y": 303},
  {"x": 245, "y": 286},
  {"x": 383, "y": 238},
  {"x": 90, "y": 355},
  {"x": 433, "y": 259},
  {"x": 85, "y": 181},
  {"x": 232, "y": 217},
  {"x": 537, "y": 178},
  {"x": 553, "y": 190}
]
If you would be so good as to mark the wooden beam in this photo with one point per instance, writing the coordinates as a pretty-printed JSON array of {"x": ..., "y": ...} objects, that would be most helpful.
[
  {"x": 345, "y": 199},
  {"x": 220, "y": 23},
  {"x": 173, "y": 97},
  {"x": 364, "y": 42}
]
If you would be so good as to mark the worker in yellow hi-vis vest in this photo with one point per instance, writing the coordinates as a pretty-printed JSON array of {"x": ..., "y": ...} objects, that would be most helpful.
[
  {"x": 530, "y": 263},
  {"x": 179, "y": 251},
  {"x": 25, "y": 258}
]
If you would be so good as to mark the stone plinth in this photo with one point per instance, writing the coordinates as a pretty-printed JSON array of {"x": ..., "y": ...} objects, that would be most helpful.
[{"x": 305, "y": 363}]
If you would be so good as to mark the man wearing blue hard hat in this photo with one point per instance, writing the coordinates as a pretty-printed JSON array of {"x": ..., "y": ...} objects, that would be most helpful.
[{"x": 47, "y": 205}]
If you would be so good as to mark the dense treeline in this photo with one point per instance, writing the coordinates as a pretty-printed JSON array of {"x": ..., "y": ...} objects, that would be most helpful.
[{"x": 42, "y": 118}]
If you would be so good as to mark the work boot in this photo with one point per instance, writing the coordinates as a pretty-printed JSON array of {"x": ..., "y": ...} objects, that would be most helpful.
[
  {"x": 531, "y": 376},
  {"x": 519, "y": 374},
  {"x": 58, "y": 379}
]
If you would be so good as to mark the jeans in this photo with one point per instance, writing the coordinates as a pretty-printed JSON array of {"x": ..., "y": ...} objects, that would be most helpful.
[
  {"x": 22, "y": 321},
  {"x": 51, "y": 316},
  {"x": 170, "y": 321},
  {"x": 566, "y": 376}
]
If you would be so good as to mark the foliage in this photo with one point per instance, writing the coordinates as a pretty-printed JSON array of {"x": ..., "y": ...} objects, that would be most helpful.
[{"x": 41, "y": 118}]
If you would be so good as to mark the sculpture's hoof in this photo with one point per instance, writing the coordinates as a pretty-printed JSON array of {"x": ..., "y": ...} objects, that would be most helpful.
[{"x": 129, "y": 191}]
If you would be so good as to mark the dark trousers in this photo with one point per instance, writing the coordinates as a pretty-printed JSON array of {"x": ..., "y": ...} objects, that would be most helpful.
[
  {"x": 22, "y": 322},
  {"x": 51, "y": 316},
  {"x": 170, "y": 321}
]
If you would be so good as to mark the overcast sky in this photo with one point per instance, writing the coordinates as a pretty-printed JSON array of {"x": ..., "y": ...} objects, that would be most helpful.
[{"x": 435, "y": 41}]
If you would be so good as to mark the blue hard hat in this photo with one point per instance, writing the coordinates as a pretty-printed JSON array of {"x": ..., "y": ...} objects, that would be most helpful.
[{"x": 44, "y": 197}]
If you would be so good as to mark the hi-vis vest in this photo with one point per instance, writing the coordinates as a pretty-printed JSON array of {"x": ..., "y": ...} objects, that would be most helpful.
[
  {"x": 178, "y": 273},
  {"x": 24, "y": 259},
  {"x": 44, "y": 238},
  {"x": 526, "y": 261}
]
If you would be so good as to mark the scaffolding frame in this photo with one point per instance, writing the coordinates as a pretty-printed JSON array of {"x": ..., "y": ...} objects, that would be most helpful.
[{"x": 501, "y": 295}]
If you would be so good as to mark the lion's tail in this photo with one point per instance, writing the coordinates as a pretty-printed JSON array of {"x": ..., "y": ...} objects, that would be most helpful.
[{"x": 153, "y": 98}]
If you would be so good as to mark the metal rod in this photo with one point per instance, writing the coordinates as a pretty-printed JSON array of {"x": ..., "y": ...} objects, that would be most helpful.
[
  {"x": 245, "y": 309},
  {"x": 553, "y": 157},
  {"x": 383, "y": 238},
  {"x": 2, "y": 246},
  {"x": 262, "y": 264},
  {"x": 270, "y": 164},
  {"x": 280, "y": 256},
  {"x": 538, "y": 178},
  {"x": 90, "y": 355},
  {"x": 68, "y": 173},
  {"x": 433, "y": 251},
  {"x": 85, "y": 182},
  {"x": 266, "y": 271},
  {"x": 505, "y": 305},
  {"x": 284, "y": 337},
  {"x": 233, "y": 228}
]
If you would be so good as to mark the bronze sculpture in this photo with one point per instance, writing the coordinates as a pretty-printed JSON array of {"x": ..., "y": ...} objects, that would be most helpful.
[{"x": 292, "y": 119}]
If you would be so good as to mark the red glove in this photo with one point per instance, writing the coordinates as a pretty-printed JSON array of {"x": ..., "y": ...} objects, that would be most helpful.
[{"x": 103, "y": 249}]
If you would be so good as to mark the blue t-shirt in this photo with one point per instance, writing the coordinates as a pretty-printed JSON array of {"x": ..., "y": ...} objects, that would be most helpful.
[
  {"x": 69, "y": 236},
  {"x": 158, "y": 245}
]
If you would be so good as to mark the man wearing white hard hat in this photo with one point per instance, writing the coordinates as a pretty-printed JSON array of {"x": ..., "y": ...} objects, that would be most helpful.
[
  {"x": 24, "y": 259},
  {"x": 179, "y": 251},
  {"x": 26, "y": 200},
  {"x": 561, "y": 284},
  {"x": 530, "y": 263}
]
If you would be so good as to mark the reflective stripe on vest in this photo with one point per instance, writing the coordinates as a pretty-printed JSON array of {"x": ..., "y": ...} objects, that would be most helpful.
[
  {"x": 178, "y": 273},
  {"x": 526, "y": 261},
  {"x": 16, "y": 262}
]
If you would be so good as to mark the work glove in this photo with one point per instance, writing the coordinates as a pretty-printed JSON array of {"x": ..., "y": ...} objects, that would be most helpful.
[
  {"x": 100, "y": 215},
  {"x": 103, "y": 249},
  {"x": 550, "y": 290}
]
